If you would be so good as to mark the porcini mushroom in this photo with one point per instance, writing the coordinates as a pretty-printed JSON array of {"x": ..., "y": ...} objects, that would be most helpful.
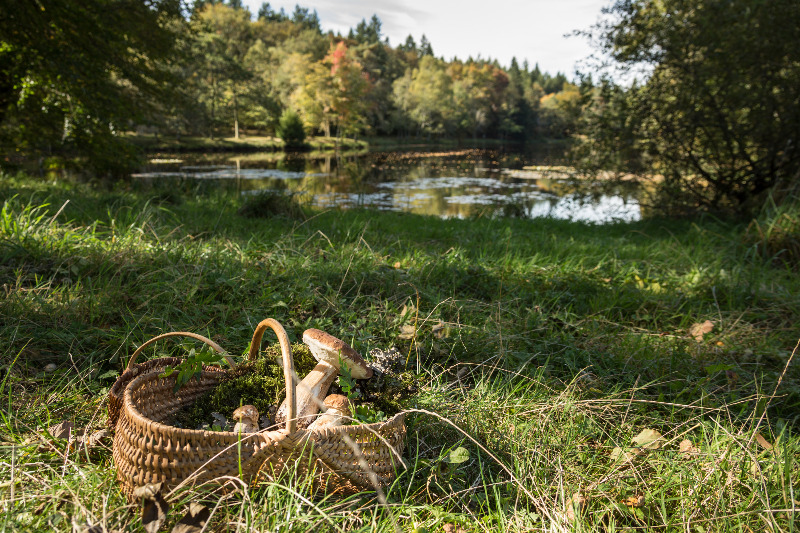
[
  {"x": 336, "y": 411},
  {"x": 311, "y": 391},
  {"x": 246, "y": 418}
]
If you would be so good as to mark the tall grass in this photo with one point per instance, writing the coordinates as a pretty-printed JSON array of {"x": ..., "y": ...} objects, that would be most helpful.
[{"x": 542, "y": 347}]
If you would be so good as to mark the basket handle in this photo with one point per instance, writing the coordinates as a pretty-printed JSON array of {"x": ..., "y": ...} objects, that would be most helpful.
[
  {"x": 157, "y": 338},
  {"x": 288, "y": 366}
]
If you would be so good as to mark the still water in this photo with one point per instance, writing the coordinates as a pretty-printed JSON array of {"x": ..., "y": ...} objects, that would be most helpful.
[{"x": 445, "y": 183}]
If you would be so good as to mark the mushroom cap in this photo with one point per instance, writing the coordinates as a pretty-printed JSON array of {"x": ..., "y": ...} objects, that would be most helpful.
[
  {"x": 338, "y": 402},
  {"x": 246, "y": 413},
  {"x": 325, "y": 347}
]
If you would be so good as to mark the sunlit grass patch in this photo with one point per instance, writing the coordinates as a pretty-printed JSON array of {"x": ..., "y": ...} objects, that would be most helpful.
[{"x": 539, "y": 347}]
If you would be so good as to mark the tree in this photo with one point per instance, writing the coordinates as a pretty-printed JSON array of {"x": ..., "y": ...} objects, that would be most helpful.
[
  {"x": 426, "y": 96},
  {"x": 74, "y": 73},
  {"x": 224, "y": 36},
  {"x": 425, "y": 48},
  {"x": 368, "y": 33},
  {"x": 714, "y": 109},
  {"x": 290, "y": 129}
]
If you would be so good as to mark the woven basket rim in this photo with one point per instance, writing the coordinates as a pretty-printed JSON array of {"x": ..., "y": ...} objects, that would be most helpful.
[{"x": 169, "y": 430}]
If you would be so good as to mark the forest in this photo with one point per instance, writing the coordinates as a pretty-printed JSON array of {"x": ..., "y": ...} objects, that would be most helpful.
[{"x": 215, "y": 69}]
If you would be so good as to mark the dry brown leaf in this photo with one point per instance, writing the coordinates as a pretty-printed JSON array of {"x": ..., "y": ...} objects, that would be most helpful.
[
  {"x": 763, "y": 442},
  {"x": 62, "y": 430},
  {"x": 439, "y": 330},
  {"x": 574, "y": 506},
  {"x": 686, "y": 448},
  {"x": 618, "y": 454},
  {"x": 194, "y": 521},
  {"x": 700, "y": 329},
  {"x": 649, "y": 439},
  {"x": 634, "y": 501},
  {"x": 154, "y": 506},
  {"x": 407, "y": 331}
]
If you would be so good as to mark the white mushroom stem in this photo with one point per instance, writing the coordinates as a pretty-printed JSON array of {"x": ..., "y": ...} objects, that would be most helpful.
[
  {"x": 331, "y": 353},
  {"x": 336, "y": 413},
  {"x": 309, "y": 393},
  {"x": 242, "y": 427}
]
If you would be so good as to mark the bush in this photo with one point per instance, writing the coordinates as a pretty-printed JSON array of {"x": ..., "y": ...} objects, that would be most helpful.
[
  {"x": 775, "y": 233},
  {"x": 267, "y": 204},
  {"x": 290, "y": 129}
]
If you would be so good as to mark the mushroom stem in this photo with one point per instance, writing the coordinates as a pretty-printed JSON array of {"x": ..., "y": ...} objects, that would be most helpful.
[
  {"x": 309, "y": 391},
  {"x": 336, "y": 412}
]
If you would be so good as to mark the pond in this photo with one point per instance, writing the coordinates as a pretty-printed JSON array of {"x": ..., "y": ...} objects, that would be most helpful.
[{"x": 445, "y": 183}]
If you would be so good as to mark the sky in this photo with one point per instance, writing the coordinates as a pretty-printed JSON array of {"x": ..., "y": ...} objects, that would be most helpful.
[{"x": 535, "y": 30}]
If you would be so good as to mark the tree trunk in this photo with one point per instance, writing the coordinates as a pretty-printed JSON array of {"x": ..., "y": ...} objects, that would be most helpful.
[{"x": 235, "y": 117}]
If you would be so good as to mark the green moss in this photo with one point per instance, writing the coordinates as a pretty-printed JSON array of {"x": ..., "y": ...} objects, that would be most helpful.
[{"x": 259, "y": 383}]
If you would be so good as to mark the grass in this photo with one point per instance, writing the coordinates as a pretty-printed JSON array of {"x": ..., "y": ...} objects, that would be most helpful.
[{"x": 542, "y": 347}]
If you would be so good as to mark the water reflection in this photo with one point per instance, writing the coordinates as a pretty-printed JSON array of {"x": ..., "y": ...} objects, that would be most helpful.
[{"x": 459, "y": 183}]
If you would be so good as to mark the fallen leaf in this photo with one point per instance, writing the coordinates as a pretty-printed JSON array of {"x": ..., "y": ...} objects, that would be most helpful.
[
  {"x": 407, "y": 332},
  {"x": 574, "y": 506},
  {"x": 618, "y": 454},
  {"x": 650, "y": 439},
  {"x": 154, "y": 506},
  {"x": 62, "y": 430},
  {"x": 439, "y": 330},
  {"x": 634, "y": 501},
  {"x": 194, "y": 521},
  {"x": 763, "y": 442},
  {"x": 457, "y": 456},
  {"x": 95, "y": 439},
  {"x": 686, "y": 448},
  {"x": 699, "y": 329}
]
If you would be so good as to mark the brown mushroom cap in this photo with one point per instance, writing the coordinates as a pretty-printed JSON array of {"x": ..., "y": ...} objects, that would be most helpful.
[
  {"x": 327, "y": 348},
  {"x": 338, "y": 402},
  {"x": 246, "y": 413}
]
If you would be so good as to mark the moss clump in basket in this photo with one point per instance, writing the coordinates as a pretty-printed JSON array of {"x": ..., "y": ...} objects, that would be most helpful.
[{"x": 259, "y": 383}]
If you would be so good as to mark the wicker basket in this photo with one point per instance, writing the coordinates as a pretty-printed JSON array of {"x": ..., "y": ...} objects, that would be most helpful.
[{"x": 342, "y": 459}]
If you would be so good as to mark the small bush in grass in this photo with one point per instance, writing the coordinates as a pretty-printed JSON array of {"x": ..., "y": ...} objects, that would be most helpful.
[
  {"x": 775, "y": 233},
  {"x": 270, "y": 204}
]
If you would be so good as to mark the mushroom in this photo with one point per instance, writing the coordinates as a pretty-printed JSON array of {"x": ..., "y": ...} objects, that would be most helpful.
[
  {"x": 326, "y": 349},
  {"x": 246, "y": 418},
  {"x": 336, "y": 411}
]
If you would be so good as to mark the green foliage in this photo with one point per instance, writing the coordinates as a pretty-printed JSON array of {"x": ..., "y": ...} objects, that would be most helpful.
[
  {"x": 222, "y": 74},
  {"x": 363, "y": 413},
  {"x": 713, "y": 110},
  {"x": 76, "y": 73},
  {"x": 260, "y": 383},
  {"x": 268, "y": 204},
  {"x": 192, "y": 366},
  {"x": 290, "y": 129},
  {"x": 775, "y": 233},
  {"x": 346, "y": 381}
]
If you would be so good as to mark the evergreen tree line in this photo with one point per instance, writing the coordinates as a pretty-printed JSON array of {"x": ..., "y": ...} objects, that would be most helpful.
[{"x": 245, "y": 71}]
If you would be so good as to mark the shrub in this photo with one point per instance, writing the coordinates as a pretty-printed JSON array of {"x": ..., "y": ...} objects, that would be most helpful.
[{"x": 290, "y": 129}]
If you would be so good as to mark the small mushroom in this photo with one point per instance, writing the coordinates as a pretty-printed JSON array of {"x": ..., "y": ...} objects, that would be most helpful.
[
  {"x": 336, "y": 412},
  {"x": 311, "y": 392},
  {"x": 246, "y": 418}
]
